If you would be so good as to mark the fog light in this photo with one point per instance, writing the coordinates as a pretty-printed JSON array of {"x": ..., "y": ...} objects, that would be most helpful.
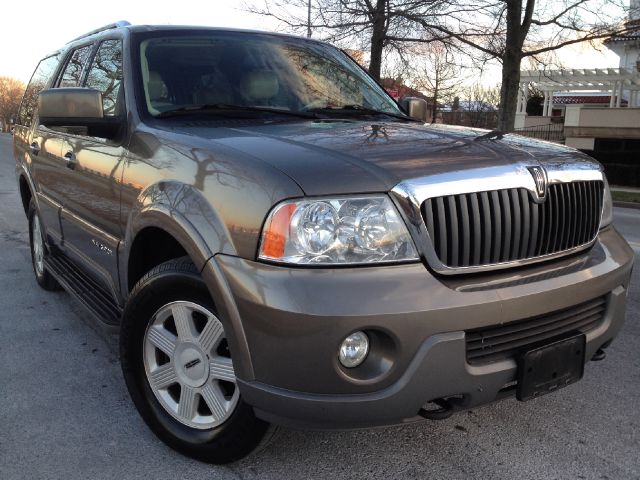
[{"x": 354, "y": 349}]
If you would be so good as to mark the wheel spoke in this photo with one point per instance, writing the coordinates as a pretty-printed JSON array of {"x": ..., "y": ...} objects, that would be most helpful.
[
  {"x": 211, "y": 334},
  {"x": 221, "y": 368},
  {"x": 214, "y": 400},
  {"x": 164, "y": 376},
  {"x": 38, "y": 248},
  {"x": 184, "y": 322},
  {"x": 188, "y": 402},
  {"x": 163, "y": 339}
]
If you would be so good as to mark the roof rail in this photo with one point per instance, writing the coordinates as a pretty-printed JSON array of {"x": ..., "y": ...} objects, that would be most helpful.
[{"x": 111, "y": 26}]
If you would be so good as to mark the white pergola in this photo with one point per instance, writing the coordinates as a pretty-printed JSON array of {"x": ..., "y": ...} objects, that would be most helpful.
[{"x": 614, "y": 81}]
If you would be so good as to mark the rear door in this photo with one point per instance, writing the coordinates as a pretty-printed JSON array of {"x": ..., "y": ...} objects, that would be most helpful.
[{"x": 37, "y": 150}]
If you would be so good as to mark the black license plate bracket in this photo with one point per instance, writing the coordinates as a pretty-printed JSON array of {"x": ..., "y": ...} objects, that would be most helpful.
[{"x": 549, "y": 367}]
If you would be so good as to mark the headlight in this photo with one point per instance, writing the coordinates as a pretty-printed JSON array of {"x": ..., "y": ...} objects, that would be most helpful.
[
  {"x": 336, "y": 231},
  {"x": 607, "y": 206}
]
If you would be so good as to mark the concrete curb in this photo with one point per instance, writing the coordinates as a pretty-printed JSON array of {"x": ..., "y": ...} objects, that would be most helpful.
[{"x": 626, "y": 204}]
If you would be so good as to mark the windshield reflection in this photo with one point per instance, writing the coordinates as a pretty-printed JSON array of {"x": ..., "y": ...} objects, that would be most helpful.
[{"x": 186, "y": 73}]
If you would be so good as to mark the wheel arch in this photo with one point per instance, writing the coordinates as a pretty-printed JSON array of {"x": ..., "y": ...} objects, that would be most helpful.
[
  {"x": 26, "y": 188},
  {"x": 155, "y": 237},
  {"x": 171, "y": 219}
]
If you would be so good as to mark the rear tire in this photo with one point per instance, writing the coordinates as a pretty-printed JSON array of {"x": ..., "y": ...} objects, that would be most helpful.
[
  {"x": 178, "y": 368},
  {"x": 39, "y": 250}
]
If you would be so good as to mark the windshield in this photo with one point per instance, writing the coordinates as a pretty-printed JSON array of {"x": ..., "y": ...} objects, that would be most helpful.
[{"x": 205, "y": 73}]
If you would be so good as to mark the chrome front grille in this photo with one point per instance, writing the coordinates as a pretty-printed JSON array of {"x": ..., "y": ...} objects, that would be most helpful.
[{"x": 502, "y": 226}]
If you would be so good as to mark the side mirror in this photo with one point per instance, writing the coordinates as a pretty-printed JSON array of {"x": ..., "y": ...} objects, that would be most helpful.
[
  {"x": 76, "y": 107},
  {"x": 414, "y": 107}
]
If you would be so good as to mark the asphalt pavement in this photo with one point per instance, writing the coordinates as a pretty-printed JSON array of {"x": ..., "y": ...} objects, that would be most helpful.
[{"x": 65, "y": 412}]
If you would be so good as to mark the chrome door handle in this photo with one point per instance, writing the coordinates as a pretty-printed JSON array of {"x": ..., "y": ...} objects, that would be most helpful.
[
  {"x": 35, "y": 148},
  {"x": 70, "y": 160}
]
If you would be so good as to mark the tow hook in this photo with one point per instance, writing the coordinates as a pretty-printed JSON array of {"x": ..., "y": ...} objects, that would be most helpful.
[
  {"x": 599, "y": 355},
  {"x": 444, "y": 411}
]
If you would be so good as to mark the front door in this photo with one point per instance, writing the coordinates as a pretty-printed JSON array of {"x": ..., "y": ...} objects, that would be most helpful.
[{"x": 91, "y": 205}]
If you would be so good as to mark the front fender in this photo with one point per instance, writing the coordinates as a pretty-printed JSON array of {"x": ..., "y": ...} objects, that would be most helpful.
[{"x": 182, "y": 212}]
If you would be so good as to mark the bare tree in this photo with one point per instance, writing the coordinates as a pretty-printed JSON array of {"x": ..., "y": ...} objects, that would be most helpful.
[
  {"x": 477, "y": 106},
  {"x": 436, "y": 73},
  {"x": 510, "y": 30},
  {"x": 480, "y": 98},
  {"x": 504, "y": 30},
  {"x": 534, "y": 101},
  {"x": 11, "y": 91},
  {"x": 368, "y": 24}
]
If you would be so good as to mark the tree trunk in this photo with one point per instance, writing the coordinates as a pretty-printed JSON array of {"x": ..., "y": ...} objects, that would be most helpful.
[
  {"x": 509, "y": 92},
  {"x": 511, "y": 65},
  {"x": 377, "y": 39},
  {"x": 435, "y": 105}
]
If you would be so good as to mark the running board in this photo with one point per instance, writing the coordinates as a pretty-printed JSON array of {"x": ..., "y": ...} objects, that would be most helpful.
[{"x": 87, "y": 291}]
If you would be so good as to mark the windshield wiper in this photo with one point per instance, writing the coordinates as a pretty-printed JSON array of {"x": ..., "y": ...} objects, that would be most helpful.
[
  {"x": 360, "y": 110},
  {"x": 226, "y": 108}
]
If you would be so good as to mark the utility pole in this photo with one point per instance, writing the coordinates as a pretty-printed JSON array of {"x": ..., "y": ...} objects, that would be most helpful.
[{"x": 309, "y": 19}]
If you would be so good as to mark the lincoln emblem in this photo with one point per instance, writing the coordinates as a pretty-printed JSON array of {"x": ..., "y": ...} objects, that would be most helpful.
[{"x": 540, "y": 178}]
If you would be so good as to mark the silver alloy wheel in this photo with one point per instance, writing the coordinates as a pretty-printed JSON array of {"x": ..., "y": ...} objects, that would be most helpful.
[
  {"x": 188, "y": 366},
  {"x": 38, "y": 245}
]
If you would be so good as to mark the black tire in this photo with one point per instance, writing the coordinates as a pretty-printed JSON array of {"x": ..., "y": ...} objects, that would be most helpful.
[
  {"x": 43, "y": 277},
  {"x": 241, "y": 433}
]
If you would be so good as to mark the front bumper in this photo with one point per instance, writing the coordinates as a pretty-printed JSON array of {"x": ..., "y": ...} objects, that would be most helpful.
[{"x": 288, "y": 323}]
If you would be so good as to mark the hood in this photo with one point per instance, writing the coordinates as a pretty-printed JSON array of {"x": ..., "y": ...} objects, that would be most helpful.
[{"x": 342, "y": 156}]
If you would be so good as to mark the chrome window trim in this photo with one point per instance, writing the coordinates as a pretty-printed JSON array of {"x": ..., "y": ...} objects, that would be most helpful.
[{"x": 409, "y": 195}]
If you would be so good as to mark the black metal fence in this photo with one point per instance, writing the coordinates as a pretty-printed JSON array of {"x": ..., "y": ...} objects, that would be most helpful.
[
  {"x": 551, "y": 133},
  {"x": 488, "y": 120}
]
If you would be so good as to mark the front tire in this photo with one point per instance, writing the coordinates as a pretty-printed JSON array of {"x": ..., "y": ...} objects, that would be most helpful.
[{"x": 178, "y": 368}]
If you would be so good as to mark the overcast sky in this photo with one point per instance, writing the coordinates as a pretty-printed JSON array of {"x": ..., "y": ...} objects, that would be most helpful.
[
  {"x": 30, "y": 33},
  {"x": 42, "y": 26}
]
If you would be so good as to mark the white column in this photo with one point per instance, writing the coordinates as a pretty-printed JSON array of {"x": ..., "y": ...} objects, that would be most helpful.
[
  {"x": 619, "y": 99},
  {"x": 519, "y": 101},
  {"x": 613, "y": 94},
  {"x": 545, "y": 104},
  {"x": 549, "y": 105},
  {"x": 526, "y": 98}
]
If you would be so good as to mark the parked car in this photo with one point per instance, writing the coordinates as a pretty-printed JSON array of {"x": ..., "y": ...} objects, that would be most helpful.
[{"x": 279, "y": 243}]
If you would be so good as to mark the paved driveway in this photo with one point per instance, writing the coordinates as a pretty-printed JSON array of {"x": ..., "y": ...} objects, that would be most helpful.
[{"x": 65, "y": 412}]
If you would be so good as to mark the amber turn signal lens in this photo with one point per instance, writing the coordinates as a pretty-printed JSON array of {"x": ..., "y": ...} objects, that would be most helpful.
[{"x": 276, "y": 232}]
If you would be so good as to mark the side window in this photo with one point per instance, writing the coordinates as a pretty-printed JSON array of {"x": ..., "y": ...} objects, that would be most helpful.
[
  {"x": 105, "y": 74},
  {"x": 73, "y": 71},
  {"x": 39, "y": 80}
]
